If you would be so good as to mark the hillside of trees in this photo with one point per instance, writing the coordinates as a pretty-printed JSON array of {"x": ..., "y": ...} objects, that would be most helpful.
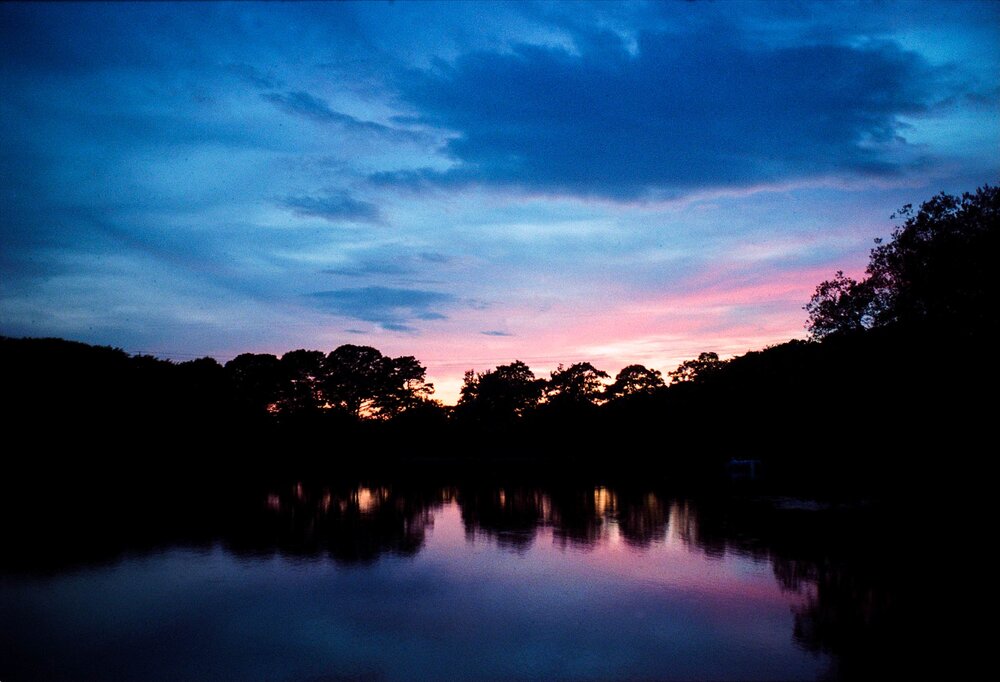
[{"x": 898, "y": 364}]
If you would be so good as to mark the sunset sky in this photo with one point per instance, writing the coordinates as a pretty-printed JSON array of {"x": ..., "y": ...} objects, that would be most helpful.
[{"x": 470, "y": 183}]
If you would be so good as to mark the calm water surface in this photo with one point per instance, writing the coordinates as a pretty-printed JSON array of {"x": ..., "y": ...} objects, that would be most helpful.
[{"x": 316, "y": 583}]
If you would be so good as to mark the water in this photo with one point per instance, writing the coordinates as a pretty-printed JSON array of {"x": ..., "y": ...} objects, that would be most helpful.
[{"x": 297, "y": 582}]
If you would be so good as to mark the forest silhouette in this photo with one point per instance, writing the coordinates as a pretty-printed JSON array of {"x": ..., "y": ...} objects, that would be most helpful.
[{"x": 897, "y": 362}]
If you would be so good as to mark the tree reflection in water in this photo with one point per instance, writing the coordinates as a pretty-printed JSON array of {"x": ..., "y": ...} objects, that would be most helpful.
[
  {"x": 854, "y": 601},
  {"x": 354, "y": 524}
]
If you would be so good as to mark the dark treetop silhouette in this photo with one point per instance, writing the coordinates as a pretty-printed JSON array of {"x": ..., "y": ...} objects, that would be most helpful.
[
  {"x": 878, "y": 377},
  {"x": 938, "y": 270}
]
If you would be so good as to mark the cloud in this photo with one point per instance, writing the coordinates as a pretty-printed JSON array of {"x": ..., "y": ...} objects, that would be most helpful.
[
  {"x": 434, "y": 257},
  {"x": 303, "y": 104},
  {"x": 334, "y": 207},
  {"x": 390, "y": 308},
  {"x": 495, "y": 332},
  {"x": 391, "y": 263},
  {"x": 300, "y": 103},
  {"x": 370, "y": 269},
  {"x": 682, "y": 112}
]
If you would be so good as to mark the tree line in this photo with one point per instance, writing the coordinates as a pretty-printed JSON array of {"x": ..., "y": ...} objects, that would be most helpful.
[
  {"x": 357, "y": 380},
  {"x": 361, "y": 382},
  {"x": 353, "y": 381},
  {"x": 879, "y": 368}
]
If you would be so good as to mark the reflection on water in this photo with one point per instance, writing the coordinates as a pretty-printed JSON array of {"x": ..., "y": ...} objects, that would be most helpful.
[
  {"x": 301, "y": 580},
  {"x": 348, "y": 525}
]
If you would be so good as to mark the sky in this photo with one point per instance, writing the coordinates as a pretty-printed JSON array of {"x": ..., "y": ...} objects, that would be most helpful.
[{"x": 471, "y": 183}]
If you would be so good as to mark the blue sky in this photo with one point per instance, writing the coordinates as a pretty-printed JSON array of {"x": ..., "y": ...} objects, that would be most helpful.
[{"x": 469, "y": 182}]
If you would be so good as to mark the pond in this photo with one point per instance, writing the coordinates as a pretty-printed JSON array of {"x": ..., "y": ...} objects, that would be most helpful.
[{"x": 300, "y": 581}]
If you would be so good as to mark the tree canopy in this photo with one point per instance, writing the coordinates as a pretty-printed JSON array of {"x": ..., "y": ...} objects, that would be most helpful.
[
  {"x": 697, "y": 370},
  {"x": 504, "y": 393},
  {"x": 936, "y": 270},
  {"x": 579, "y": 384},
  {"x": 356, "y": 380},
  {"x": 635, "y": 380}
]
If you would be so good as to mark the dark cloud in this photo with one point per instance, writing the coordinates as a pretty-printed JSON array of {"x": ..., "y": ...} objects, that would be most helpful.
[
  {"x": 387, "y": 263},
  {"x": 684, "y": 112},
  {"x": 433, "y": 257},
  {"x": 392, "y": 309},
  {"x": 303, "y": 104},
  {"x": 370, "y": 269},
  {"x": 495, "y": 332},
  {"x": 335, "y": 207},
  {"x": 309, "y": 106}
]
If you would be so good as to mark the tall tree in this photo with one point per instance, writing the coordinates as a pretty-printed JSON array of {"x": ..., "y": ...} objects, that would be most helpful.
[
  {"x": 365, "y": 383},
  {"x": 937, "y": 270},
  {"x": 507, "y": 392},
  {"x": 256, "y": 379},
  {"x": 635, "y": 380},
  {"x": 354, "y": 377},
  {"x": 404, "y": 386},
  {"x": 698, "y": 370},
  {"x": 579, "y": 384},
  {"x": 302, "y": 373},
  {"x": 842, "y": 304}
]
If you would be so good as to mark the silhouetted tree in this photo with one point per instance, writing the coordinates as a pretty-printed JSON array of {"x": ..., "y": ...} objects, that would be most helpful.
[
  {"x": 937, "y": 270},
  {"x": 203, "y": 371},
  {"x": 842, "y": 304},
  {"x": 635, "y": 380},
  {"x": 698, "y": 370},
  {"x": 256, "y": 380},
  {"x": 403, "y": 386},
  {"x": 365, "y": 383},
  {"x": 578, "y": 384},
  {"x": 507, "y": 392},
  {"x": 354, "y": 376},
  {"x": 940, "y": 265},
  {"x": 302, "y": 373},
  {"x": 203, "y": 387}
]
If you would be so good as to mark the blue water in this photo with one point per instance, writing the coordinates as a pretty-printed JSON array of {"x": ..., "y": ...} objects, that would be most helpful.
[{"x": 617, "y": 593}]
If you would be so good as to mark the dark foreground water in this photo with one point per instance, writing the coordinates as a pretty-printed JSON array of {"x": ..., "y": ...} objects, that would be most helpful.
[{"x": 298, "y": 582}]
